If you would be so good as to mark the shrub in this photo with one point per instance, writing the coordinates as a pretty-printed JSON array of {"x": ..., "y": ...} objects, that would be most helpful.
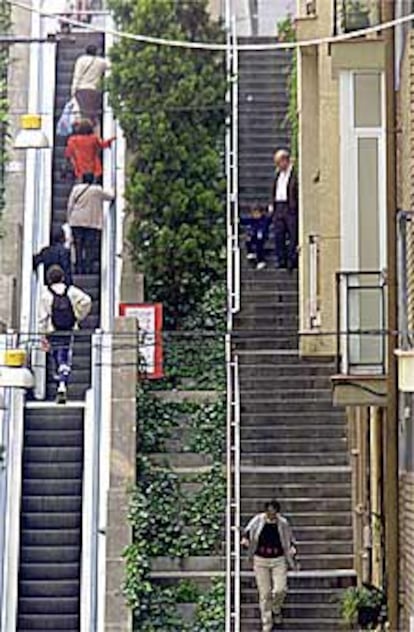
[{"x": 170, "y": 103}]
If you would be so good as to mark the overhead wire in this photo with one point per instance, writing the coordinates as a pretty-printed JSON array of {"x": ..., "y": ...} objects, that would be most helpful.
[{"x": 160, "y": 41}]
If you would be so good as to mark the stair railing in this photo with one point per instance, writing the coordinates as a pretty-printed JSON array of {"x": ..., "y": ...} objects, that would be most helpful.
[
  {"x": 232, "y": 172},
  {"x": 98, "y": 411},
  {"x": 36, "y": 227},
  {"x": 11, "y": 431},
  {"x": 91, "y": 493},
  {"x": 38, "y": 191},
  {"x": 233, "y": 513}
]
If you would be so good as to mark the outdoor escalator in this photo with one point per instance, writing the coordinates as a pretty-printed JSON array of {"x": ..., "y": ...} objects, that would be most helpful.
[{"x": 49, "y": 584}]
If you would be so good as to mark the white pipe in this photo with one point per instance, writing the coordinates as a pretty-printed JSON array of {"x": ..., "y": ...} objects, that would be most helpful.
[
  {"x": 237, "y": 499},
  {"x": 235, "y": 168},
  {"x": 229, "y": 485}
]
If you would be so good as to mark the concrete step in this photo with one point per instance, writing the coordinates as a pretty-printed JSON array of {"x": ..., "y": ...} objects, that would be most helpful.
[
  {"x": 266, "y": 371},
  {"x": 321, "y": 520},
  {"x": 277, "y": 394},
  {"x": 294, "y": 458},
  {"x": 304, "y": 477},
  {"x": 301, "y": 505},
  {"x": 311, "y": 492},
  {"x": 304, "y": 420},
  {"x": 282, "y": 445},
  {"x": 277, "y": 406}
]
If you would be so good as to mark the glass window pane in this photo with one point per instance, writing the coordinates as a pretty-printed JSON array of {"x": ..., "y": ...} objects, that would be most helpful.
[{"x": 367, "y": 99}]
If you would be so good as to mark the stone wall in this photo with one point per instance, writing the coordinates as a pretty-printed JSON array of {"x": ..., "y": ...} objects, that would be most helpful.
[
  {"x": 122, "y": 474},
  {"x": 12, "y": 221}
]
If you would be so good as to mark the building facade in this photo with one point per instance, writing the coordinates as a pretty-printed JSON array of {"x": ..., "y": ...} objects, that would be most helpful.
[{"x": 348, "y": 137}]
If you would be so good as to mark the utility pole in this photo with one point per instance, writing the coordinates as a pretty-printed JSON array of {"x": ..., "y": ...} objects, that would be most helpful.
[{"x": 391, "y": 426}]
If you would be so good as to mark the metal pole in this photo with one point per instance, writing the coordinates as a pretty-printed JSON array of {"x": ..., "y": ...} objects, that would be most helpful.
[
  {"x": 235, "y": 168},
  {"x": 391, "y": 429}
]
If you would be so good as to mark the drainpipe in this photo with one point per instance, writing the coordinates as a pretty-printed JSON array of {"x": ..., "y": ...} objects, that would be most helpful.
[
  {"x": 376, "y": 418},
  {"x": 391, "y": 425}
]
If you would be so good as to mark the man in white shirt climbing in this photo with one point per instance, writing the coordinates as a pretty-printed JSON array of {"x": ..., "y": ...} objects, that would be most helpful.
[
  {"x": 87, "y": 80},
  {"x": 62, "y": 308},
  {"x": 285, "y": 211}
]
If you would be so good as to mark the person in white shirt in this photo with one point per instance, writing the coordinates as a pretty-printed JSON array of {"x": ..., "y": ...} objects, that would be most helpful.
[
  {"x": 87, "y": 79},
  {"x": 85, "y": 217},
  {"x": 285, "y": 211},
  {"x": 61, "y": 310}
]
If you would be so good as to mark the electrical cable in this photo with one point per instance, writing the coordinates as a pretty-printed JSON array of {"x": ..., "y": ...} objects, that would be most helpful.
[{"x": 159, "y": 41}]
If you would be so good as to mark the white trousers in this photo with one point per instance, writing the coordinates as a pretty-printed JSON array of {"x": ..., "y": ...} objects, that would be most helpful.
[{"x": 271, "y": 580}]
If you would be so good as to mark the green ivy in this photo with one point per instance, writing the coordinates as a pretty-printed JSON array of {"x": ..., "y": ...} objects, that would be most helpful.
[
  {"x": 171, "y": 105},
  {"x": 210, "y": 613}
]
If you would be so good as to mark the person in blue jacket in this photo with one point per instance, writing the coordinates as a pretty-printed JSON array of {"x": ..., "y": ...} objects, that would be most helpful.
[{"x": 257, "y": 224}]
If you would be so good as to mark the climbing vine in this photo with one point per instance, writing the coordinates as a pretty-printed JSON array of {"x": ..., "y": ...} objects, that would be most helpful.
[{"x": 171, "y": 105}]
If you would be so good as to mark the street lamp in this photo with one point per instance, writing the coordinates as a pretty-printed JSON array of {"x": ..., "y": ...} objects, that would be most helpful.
[{"x": 31, "y": 135}]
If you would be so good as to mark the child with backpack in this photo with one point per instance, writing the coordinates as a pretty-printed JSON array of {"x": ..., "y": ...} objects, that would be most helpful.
[
  {"x": 257, "y": 224},
  {"x": 62, "y": 307}
]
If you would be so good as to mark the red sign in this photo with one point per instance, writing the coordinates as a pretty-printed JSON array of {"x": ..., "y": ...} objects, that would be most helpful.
[{"x": 149, "y": 317}]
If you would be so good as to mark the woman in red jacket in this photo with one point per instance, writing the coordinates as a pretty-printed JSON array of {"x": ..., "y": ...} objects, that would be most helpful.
[{"x": 84, "y": 151}]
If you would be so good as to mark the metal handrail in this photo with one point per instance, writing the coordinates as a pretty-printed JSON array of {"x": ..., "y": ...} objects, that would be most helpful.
[
  {"x": 91, "y": 492},
  {"x": 10, "y": 489},
  {"x": 349, "y": 289},
  {"x": 314, "y": 308}
]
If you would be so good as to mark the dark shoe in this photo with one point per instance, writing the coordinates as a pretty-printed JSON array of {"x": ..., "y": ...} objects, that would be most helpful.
[{"x": 280, "y": 265}]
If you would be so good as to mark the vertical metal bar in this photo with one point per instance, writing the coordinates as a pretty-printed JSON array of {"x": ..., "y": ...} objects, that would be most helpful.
[
  {"x": 235, "y": 167},
  {"x": 237, "y": 504},
  {"x": 348, "y": 345},
  {"x": 229, "y": 483},
  {"x": 228, "y": 160},
  {"x": 338, "y": 322},
  {"x": 402, "y": 220}
]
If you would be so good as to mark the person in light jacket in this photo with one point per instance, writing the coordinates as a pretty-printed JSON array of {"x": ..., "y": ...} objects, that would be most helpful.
[
  {"x": 85, "y": 217},
  {"x": 61, "y": 310},
  {"x": 87, "y": 79},
  {"x": 271, "y": 543}
]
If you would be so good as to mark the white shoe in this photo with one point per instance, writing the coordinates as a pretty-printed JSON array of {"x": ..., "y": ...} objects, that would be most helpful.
[
  {"x": 261, "y": 265},
  {"x": 250, "y": 256},
  {"x": 61, "y": 395}
]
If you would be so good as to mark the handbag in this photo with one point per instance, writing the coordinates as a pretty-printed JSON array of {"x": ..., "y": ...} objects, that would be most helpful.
[{"x": 68, "y": 118}]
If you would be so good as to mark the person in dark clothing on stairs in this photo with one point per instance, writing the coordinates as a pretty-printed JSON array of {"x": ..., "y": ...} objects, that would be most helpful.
[
  {"x": 257, "y": 224},
  {"x": 62, "y": 307},
  {"x": 285, "y": 211},
  {"x": 270, "y": 541},
  {"x": 57, "y": 254}
]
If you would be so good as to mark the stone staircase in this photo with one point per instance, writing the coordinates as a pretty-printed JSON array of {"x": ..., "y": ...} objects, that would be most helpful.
[
  {"x": 293, "y": 448},
  {"x": 293, "y": 441}
]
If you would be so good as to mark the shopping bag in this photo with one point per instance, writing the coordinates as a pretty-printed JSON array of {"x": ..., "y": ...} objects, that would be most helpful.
[{"x": 68, "y": 118}]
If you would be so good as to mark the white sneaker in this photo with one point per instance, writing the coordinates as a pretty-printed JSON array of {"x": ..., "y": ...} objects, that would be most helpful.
[
  {"x": 250, "y": 256},
  {"x": 61, "y": 395},
  {"x": 261, "y": 265}
]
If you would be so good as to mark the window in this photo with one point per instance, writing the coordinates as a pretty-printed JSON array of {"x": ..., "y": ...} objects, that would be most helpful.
[{"x": 367, "y": 99}]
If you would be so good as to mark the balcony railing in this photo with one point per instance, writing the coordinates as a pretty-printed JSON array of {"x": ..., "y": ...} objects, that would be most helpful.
[
  {"x": 361, "y": 322},
  {"x": 355, "y": 15}
]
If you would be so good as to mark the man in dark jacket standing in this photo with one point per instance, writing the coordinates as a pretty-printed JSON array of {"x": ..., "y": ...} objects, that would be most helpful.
[{"x": 285, "y": 211}]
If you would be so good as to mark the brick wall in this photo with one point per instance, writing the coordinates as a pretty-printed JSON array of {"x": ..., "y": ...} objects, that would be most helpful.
[
  {"x": 406, "y": 201},
  {"x": 407, "y": 547}
]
